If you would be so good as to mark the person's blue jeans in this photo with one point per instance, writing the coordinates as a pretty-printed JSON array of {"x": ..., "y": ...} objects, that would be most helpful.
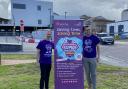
[{"x": 90, "y": 71}]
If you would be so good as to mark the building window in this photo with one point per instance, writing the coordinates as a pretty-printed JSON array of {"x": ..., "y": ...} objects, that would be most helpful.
[
  {"x": 19, "y": 6},
  {"x": 9, "y": 30},
  {"x": 120, "y": 29},
  {"x": 0, "y": 22},
  {"x": 5, "y": 22},
  {"x": 9, "y": 22},
  {"x": 39, "y": 21},
  {"x": 2, "y": 30},
  {"x": 39, "y": 8},
  {"x": 17, "y": 30},
  {"x": 111, "y": 30}
]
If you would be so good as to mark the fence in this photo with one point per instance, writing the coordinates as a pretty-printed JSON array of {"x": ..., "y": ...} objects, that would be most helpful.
[
  {"x": 11, "y": 37},
  {"x": 8, "y": 37}
]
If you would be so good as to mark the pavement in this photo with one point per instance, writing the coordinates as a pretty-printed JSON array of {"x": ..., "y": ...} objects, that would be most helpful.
[
  {"x": 103, "y": 59},
  {"x": 14, "y": 62},
  {"x": 113, "y": 61},
  {"x": 115, "y": 55},
  {"x": 122, "y": 42}
]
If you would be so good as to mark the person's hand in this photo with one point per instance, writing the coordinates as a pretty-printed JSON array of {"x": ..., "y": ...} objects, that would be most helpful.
[
  {"x": 37, "y": 62},
  {"x": 97, "y": 59}
]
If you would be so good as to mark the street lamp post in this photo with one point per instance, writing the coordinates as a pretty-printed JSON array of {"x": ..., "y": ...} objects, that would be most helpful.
[
  {"x": 50, "y": 11},
  {"x": 66, "y": 14},
  {"x": 14, "y": 25}
]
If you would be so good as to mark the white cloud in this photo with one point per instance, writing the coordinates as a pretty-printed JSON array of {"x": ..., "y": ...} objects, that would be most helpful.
[{"x": 111, "y": 9}]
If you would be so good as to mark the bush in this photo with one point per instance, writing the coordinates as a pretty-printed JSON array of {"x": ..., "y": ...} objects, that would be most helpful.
[{"x": 117, "y": 37}]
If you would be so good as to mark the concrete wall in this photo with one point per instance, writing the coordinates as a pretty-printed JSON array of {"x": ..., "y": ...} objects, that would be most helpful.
[{"x": 5, "y": 9}]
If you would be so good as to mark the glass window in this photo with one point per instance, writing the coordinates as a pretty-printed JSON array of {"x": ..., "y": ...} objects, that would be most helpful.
[
  {"x": 0, "y": 22},
  {"x": 9, "y": 22},
  {"x": 102, "y": 35},
  {"x": 111, "y": 30},
  {"x": 2, "y": 30},
  {"x": 17, "y": 30},
  {"x": 39, "y": 21},
  {"x": 5, "y": 22},
  {"x": 39, "y": 8},
  {"x": 19, "y": 6},
  {"x": 120, "y": 29}
]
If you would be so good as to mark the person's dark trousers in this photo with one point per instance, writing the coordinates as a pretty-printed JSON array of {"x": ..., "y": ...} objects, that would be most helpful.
[{"x": 45, "y": 73}]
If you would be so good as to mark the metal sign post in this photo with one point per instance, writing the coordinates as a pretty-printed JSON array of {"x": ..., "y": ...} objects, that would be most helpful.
[{"x": 22, "y": 31}]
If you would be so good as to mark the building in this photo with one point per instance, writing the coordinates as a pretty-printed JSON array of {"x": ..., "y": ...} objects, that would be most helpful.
[
  {"x": 119, "y": 27},
  {"x": 124, "y": 15},
  {"x": 62, "y": 17},
  {"x": 98, "y": 24},
  {"x": 85, "y": 17},
  {"x": 34, "y": 14}
]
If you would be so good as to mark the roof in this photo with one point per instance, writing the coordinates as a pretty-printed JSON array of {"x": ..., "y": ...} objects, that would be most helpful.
[
  {"x": 85, "y": 17},
  {"x": 125, "y": 10},
  {"x": 3, "y": 19},
  {"x": 62, "y": 17},
  {"x": 99, "y": 18}
]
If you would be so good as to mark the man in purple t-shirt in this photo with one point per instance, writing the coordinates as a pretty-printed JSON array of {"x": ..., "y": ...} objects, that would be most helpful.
[
  {"x": 44, "y": 56},
  {"x": 91, "y": 55}
]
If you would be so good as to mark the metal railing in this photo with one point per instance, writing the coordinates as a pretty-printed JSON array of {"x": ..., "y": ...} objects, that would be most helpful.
[{"x": 9, "y": 37}]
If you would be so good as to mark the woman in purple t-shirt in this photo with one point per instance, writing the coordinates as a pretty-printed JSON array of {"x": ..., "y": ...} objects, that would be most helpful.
[
  {"x": 44, "y": 58},
  {"x": 91, "y": 55}
]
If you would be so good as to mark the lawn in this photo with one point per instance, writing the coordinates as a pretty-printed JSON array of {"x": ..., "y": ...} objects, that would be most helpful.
[
  {"x": 26, "y": 76},
  {"x": 110, "y": 77}
]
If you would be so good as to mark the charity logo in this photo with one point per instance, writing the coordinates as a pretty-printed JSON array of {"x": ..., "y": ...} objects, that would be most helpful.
[
  {"x": 88, "y": 46},
  {"x": 48, "y": 47},
  {"x": 69, "y": 47},
  {"x": 48, "y": 50}
]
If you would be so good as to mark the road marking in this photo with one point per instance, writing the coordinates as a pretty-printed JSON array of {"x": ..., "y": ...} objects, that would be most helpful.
[{"x": 113, "y": 61}]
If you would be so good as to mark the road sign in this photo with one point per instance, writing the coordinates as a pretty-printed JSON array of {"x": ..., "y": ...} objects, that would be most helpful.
[{"x": 21, "y": 25}]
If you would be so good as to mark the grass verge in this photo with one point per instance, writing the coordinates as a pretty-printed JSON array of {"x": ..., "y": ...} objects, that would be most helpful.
[{"x": 26, "y": 76}]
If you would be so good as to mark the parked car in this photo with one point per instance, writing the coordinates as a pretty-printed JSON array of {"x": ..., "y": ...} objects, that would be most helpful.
[{"x": 105, "y": 38}]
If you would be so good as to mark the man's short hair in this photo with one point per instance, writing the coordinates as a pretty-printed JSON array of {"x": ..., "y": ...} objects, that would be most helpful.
[{"x": 49, "y": 33}]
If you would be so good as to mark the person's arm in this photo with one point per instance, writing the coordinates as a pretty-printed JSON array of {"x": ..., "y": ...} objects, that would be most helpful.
[
  {"x": 38, "y": 55},
  {"x": 38, "y": 51},
  {"x": 98, "y": 52},
  {"x": 53, "y": 51}
]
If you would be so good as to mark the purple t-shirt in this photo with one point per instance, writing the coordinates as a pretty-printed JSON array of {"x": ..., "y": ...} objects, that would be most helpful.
[
  {"x": 45, "y": 47},
  {"x": 89, "y": 46}
]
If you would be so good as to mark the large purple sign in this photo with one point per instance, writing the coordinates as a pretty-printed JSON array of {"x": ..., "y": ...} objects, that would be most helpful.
[{"x": 68, "y": 54}]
